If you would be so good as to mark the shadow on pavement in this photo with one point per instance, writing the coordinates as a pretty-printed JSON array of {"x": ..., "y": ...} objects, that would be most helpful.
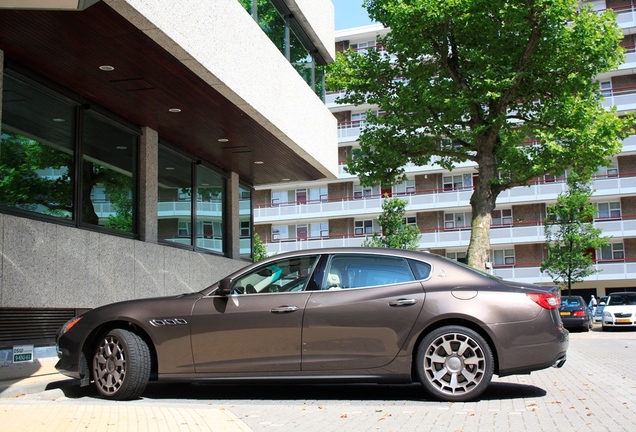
[{"x": 277, "y": 392}]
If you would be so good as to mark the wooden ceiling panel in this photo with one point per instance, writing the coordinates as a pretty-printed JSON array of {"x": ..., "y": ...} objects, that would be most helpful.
[{"x": 68, "y": 48}]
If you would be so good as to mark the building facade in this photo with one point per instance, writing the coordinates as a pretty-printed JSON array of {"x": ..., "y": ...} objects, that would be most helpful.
[
  {"x": 133, "y": 133},
  {"x": 299, "y": 215}
]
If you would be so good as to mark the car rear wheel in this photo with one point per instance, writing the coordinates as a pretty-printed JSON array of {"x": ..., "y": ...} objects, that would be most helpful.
[
  {"x": 121, "y": 365},
  {"x": 455, "y": 363}
]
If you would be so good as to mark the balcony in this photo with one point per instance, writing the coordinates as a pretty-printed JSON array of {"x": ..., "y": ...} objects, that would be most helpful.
[
  {"x": 519, "y": 232},
  {"x": 433, "y": 199}
]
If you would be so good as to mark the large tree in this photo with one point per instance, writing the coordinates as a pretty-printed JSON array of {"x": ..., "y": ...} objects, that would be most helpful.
[{"x": 508, "y": 85}]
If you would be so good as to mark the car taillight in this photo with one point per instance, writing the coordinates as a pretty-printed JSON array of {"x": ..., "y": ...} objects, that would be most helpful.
[
  {"x": 545, "y": 300},
  {"x": 578, "y": 314}
]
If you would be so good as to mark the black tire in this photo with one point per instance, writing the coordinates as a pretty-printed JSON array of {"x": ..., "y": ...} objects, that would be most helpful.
[
  {"x": 454, "y": 364},
  {"x": 121, "y": 365}
]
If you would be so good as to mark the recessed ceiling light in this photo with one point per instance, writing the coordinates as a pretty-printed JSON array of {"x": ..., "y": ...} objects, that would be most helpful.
[
  {"x": 121, "y": 147},
  {"x": 107, "y": 68},
  {"x": 169, "y": 168},
  {"x": 175, "y": 110},
  {"x": 285, "y": 179},
  {"x": 223, "y": 140},
  {"x": 259, "y": 162},
  {"x": 59, "y": 120}
]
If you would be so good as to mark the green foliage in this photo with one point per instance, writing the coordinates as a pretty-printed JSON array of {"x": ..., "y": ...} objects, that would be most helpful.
[
  {"x": 571, "y": 236},
  {"x": 395, "y": 234},
  {"x": 511, "y": 84},
  {"x": 260, "y": 251}
]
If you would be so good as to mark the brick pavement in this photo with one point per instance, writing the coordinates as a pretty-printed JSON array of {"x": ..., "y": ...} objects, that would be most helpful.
[{"x": 594, "y": 391}]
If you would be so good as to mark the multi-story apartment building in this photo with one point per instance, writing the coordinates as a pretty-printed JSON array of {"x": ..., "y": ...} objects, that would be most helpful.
[
  {"x": 132, "y": 134},
  {"x": 298, "y": 215}
]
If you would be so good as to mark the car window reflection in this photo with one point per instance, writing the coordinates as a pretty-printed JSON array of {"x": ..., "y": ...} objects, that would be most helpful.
[
  {"x": 360, "y": 271},
  {"x": 287, "y": 275}
]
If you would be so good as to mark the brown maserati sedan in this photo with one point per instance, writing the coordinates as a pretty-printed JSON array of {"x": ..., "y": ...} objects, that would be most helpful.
[{"x": 325, "y": 315}]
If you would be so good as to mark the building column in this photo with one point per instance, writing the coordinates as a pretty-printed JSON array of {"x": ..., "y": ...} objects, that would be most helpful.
[
  {"x": 1, "y": 83},
  {"x": 232, "y": 222},
  {"x": 148, "y": 185}
]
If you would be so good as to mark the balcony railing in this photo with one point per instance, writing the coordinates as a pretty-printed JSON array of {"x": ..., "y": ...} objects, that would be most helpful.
[{"x": 433, "y": 199}]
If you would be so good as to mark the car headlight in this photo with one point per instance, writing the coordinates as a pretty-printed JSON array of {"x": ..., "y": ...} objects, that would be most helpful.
[
  {"x": 607, "y": 314},
  {"x": 68, "y": 325}
]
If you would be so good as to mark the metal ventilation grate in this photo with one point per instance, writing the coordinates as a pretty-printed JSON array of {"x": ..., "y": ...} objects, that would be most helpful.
[{"x": 34, "y": 326}]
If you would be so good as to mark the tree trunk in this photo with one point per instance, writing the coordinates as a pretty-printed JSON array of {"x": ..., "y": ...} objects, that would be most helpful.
[{"x": 482, "y": 203}]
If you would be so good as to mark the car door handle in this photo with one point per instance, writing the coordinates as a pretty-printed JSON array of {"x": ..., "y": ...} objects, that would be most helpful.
[
  {"x": 284, "y": 309},
  {"x": 403, "y": 302}
]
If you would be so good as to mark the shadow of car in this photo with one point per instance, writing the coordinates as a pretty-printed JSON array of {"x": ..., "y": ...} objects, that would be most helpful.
[{"x": 575, "y": 314}]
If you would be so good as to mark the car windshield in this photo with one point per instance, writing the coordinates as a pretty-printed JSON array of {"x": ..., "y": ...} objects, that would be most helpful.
[
  {"x": 622, "y": 299},
  {"x": 570, "y": 301}
]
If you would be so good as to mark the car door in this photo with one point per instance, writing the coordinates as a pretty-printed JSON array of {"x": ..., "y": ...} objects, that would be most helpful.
[
  {"x": 258, "y": 327},
  {"x": 362, "y": 315}
]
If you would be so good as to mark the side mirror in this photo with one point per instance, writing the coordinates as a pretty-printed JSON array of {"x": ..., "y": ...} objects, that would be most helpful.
[{"x": 225, "y": 287}]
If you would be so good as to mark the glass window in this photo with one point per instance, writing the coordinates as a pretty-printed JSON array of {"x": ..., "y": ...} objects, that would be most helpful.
[
  {"x": 613, "y": 251},
  {"x": 363, "y": 227},
  {"x": 175, "y": 198},
  {"x": 501, "y": 217},
  {"x": 245, "y": 218},
  {"x": 286, "y": 275},
  {"x": 108, "y": 174},
  {"x": 503, "y": 257},
  {"x": 38, "y": 150},
  {"x": 359, "y": 271},
  {"x": 457, "y": 256},
  {"x": 608, "y": 210},
  {"x": 209, "y": 209},
  {"x": 420, "y": 269}
]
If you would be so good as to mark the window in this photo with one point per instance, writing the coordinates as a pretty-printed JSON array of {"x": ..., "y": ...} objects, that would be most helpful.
[
  {"x": 286, "y": 275},
  {"x": 608, "y": 210},
  {"x": 360, "y": 191},
  {"x": 457, "y": 256},
  {"x": 501, "y": 217},
  {"x": 40, "y": 175},
  {"x": 362, "y": 47},
  {"x": 410, "y": 220},
  {"x": 177, "y": 209},
  {"x": 404, "y": 188},
  {"x": 457, "y": 220},
  {"x": 245, "y": 222},
  {"x": 363, "y": 227},
  {"x": 457, "y": 182},
  {"x": 503, "y": 257},
  {"x": 608, "y": 171},
  {"x": 606, "y": 89},
  {"x": 319, "y": 229},
  {"x": 360, "y": 271},
  {"x": 357, "y": 120},
  {"x": 613, "y": 251}
]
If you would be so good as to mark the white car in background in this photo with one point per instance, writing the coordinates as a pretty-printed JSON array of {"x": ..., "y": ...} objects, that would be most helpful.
[{"x": 620, "y": 311}]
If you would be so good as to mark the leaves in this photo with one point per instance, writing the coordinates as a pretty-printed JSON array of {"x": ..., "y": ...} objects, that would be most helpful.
[
  {"x": 395, "y": 233},
  {"x": 511, "y": 84}
]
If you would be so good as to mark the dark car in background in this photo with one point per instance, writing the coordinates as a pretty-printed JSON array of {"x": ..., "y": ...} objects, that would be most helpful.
[
  {"x": 575, "y": 314},
  {"x": 325, "y": 315}
]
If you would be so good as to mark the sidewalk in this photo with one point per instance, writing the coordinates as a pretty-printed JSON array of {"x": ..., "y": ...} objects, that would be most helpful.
[
  {"x": 31, "y": 378},
  {"x": 23, "y": 389}
]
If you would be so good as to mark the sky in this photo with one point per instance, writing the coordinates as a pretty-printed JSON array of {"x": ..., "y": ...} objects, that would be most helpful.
[{"x": 350, "y": 13}]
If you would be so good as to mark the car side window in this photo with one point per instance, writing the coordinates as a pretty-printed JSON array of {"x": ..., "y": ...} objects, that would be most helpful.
[
  {"x": 421, "y": 269},
  {"x": 286, "y": 275},
  {"x": 359, "y": 271}
]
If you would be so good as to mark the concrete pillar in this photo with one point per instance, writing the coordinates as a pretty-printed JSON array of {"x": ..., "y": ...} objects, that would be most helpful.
[
  {"x": 148, "y": 185},
  {"x": 233, "y": 225}
]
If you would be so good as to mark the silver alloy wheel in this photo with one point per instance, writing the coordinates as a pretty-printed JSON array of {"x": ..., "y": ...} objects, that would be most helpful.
[
  {"x": 109, "y": 365},
  {"x": 121, "y": 365},
  {"x": 455, "y": 363}
]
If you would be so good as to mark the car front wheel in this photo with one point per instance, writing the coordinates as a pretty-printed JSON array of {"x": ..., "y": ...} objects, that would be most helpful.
[
  {"x": 455, "y": 363},
  {"x": 121, "y": 365}
]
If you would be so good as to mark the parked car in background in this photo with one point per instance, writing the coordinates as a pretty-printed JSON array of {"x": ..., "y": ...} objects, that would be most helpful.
[
  {"x": 620, "y": 311},
  {"x": 325, "y": 315},
  {"x": 602, "y": 301},
  {"x": 575, "y": 314}
]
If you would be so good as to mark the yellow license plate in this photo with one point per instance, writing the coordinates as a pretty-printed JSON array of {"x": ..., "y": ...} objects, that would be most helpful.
[
  {"x": 565, "y": 313},
  {"x": 622, "y": 320}
]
